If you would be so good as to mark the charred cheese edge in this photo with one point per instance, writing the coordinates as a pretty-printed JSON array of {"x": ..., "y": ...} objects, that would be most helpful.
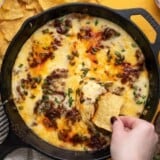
[{"x": 63, "y": 72}]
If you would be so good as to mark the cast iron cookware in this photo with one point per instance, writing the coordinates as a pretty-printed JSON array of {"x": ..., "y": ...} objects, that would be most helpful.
[{"x": 20, "y": 135}]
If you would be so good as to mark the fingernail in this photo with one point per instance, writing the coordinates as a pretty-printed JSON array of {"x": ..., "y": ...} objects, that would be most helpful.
[{"x": 113, "y": 119}]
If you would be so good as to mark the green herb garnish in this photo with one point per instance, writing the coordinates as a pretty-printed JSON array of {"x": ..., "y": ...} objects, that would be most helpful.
[
  {"x": 96, "y": 22},
  {"x": 70, "y": 99},
  {"x": 134, "y": 45},
  {"x": 57, "y": 101},
  {"x": 139, "y": 98},
  {"x": 139, "y": 102},
  {"x": 83, "y": 64},
  {"x": 119, "y": 57},
  {"x": 20, "y": 107},
  {"x": 45, "y": 31},
  {"x": 38, "y": 79},
  {"x": 84, "y": 72},
  {"x": 70, "y": 57},
  {"x": 20, "y": 65},
  {"x": 45, "y": 97},
  {"x": 32, "y": 96},
  {"x": 88, "y": 22},
  {"x": 70, "y": 91},
  {"x": 123, "y": 50}
]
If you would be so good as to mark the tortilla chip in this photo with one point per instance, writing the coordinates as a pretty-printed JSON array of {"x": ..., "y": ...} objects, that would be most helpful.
[
  {"x": 45, "y": 4},
  {"x": 134, "y": 111},
  {"x": 11, "y": 10},
  {"x": 86, "y": 110},
  {"x": 108, "y": 105},
  {"x": 26, "y": 1},
  {"x": 10, "y": 15},
  {"x": 9, "y": 28},
  {"x": 49, "y": 3},
  {"x": 90, "y": 1},
  {"x": 1, "y": 2},
  {"x": 3, "y": 46},
  {"x": 10, "y": 4},
  {"x": 27, "y": 14},
  {"x": 34, "y": 5}
]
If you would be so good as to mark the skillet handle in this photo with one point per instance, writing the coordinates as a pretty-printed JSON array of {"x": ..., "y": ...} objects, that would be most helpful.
[
  {"x": 11, "y": 143},
  {"x": 127, "y": 13}
]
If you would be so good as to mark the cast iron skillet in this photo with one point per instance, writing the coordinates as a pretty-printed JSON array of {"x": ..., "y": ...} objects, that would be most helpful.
[{"x": 20, "y": 135}]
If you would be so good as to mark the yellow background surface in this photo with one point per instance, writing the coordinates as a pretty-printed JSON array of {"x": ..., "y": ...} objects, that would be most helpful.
[{"x": 149, "y": 5}]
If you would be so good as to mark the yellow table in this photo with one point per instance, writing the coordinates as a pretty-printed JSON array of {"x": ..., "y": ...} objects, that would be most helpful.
[{"x": 149, "y": 5}]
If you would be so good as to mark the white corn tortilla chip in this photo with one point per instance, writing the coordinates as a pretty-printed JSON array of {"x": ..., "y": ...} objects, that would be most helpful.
[
  {"x": 3, "y": 46},
  {"x": 11, "y": 10},
  {"x": 108, "y": 105},
  {"x": 9, "y": 28},
  {"x": 45, "y": 4},
  {"x": 34, "y": 5}
]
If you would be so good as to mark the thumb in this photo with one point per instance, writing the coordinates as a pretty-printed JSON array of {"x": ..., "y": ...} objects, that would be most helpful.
[{"x": 117, "y": 127}]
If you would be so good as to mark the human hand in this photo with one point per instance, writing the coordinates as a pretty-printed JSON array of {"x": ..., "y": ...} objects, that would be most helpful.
[{"x": 132, "y": 139}]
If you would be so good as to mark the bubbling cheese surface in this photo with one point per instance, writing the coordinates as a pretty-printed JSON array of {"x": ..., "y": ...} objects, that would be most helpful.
[{"x": 65, "y": 68}]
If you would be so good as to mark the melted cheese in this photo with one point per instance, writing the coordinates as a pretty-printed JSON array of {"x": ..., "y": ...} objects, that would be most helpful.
[{"x": 92, "y": 91}]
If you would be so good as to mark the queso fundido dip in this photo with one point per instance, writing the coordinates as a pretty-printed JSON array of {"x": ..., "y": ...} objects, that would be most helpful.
[{"x": 77, "y": 72}]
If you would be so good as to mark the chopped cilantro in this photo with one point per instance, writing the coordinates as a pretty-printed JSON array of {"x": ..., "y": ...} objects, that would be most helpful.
[
  {"x": 139, "y": 98},
  {"x": 70, "y": 90},
  {"x": 32, "y": 96},
  {"x": 84, "y": 72},
  {"x": 45, "y": 31},
  {"x": 83, "y": 64},
  {"x": 70, "y": 101},
  {"x": 92, "y": 78},
  {"x": 20, "y": 107},
  {"x": 70, "y": 57},
  {"x": 119, "y": 57},
  {"x": 38, "y": 79},
  {"x": 56, "y": 100},
  {"x": 88, "y": 22},
  {"x": 117, "y": 53},
  {"x": 139, "y": 102},
  {"x": 96, "y": 22},
  {"x": 45, "y": 97},
  {"x": 134, "y": 45},
  {"x": 145, "y": 85},
  {"x": 20, "y": 65},
  {"x": 123, "y": 50}
]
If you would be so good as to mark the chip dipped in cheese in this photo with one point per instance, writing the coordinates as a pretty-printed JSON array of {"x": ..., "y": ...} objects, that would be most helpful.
[{"x": 108, "y": 105}]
